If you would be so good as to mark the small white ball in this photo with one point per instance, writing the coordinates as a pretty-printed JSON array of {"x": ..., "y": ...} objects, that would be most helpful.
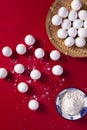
[
  {"x": 3, "y": 73},
  {"x": 57, "y": 70},
  {"x": 33, "y": 104},
  {"x": 39, "y": 53},
  {"x": 7, "y": 51},
  {"x": 82, "y": 32},
  {"x": 85, "y": 24},
  {"x": 35, "y": 74},
  {"x": 22, "y": 87},
  {"x": 62, "y": 33},
  {"x": 69, "y": 41},
  {"x": 66, "y": 24},
  {"x": 55, "y": 55},
  {"x": 72, "y": 32},
  {"x": 83, "y": 14},
  {"x": 80, "y": 42},
  {"x": 56, "y": 20},
  {"x": 21, "y": 49},
  {"x": 72, "y": 15},
  {"x": 78, "y": 23},
  {"x": 19, "y": 68},
  {"x": 29, "y": 40},
  {"x": 76, "y": 5},
  {"x": 63, "y": 12}
]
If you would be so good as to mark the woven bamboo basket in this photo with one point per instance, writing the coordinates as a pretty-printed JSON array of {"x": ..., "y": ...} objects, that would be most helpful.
[{"x": 52, "y": 30}]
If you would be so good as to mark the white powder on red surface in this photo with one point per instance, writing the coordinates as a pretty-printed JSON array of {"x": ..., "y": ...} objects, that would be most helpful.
[{"x": 71, "y": 102}]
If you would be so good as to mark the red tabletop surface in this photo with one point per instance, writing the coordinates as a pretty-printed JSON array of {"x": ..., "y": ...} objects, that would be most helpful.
[{"x": 17, "y": 19}]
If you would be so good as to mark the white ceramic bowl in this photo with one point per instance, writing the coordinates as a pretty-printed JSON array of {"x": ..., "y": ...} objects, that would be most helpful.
[{"x": 68, "y": 116}]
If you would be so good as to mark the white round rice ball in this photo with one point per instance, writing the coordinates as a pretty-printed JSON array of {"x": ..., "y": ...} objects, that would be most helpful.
[
  {"x": 21, "y": 49},
  {"x": 22, "y": 87},
  {"x": 62, "y": 33},
  {"x": 76, "y": 5},
  {"x": 63, "y": 12},
  {"x": 39, "y": 53},
  {"x": 29, "y": 40},
  {"x": 35, "y": 74},
  {"x": 80, "y": 42},
  {"x": 82, "y": 32},
  {"x": 72, "y": 15},
  {"x": 7, "y": 51},
  {"x": 78, "y": 23},
  {"x": 69, "y": 41},
  {"x": 3, "y": 73},
  {"x": 55, "y": 55},
  {"x": 19, "y": 68},
  {"x": 57, "y": 70},
  {"x": 33, "y": 104},
  {"x": 72, "y": 32},
  {"x": 85, "y": 24},
  {"x": 66, "y": 24},
  {"x": 83, "y": 14},
  {"x": 56, "y": 20}
]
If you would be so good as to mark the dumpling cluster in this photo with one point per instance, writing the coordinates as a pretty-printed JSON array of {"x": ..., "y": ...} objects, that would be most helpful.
[
  {"x": 35, "y": 74},
  {"x": 73, "y": 24}
]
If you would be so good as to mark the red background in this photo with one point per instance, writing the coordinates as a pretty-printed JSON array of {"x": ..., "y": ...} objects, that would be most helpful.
[{"x": 17, "y": 19}]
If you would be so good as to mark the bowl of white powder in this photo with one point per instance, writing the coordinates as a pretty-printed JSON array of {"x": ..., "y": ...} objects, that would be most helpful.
[{"x": 71, "y": 103}]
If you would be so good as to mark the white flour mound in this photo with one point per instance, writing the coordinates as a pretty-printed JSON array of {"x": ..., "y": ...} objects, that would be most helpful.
[{"x": 71, "y": 102}]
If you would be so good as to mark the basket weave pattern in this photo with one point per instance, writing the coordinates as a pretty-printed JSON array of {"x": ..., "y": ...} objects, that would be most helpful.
[{"x": 52, "y": 30}]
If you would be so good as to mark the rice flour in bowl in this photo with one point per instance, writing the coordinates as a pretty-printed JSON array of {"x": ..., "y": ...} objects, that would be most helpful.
[{"x": 71, "y": 103}]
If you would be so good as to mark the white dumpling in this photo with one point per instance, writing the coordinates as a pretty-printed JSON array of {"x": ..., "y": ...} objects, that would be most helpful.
[
  {"x": 72, "y": 32},
  {"x": 80, "y": 42},
  {"x": 72, "y": 15},
  {"x": 83, "y": 14},
  {"x": 33, "y": 104},
  {"x": 78, "y": 23},
  {"x": 63, "y": 12},
  {"x": 66, "y": 24},
  {"x": 82, "y": 32},
  {"x": 62, "y": 33},
  {"x": 56, "y": 20},
  {"x": 69, "y": 41},
  {"x": 85, "y": 24},
  {"x": 7, "y": 51},
  {"x": 76, "y": 5},
  {"x": 57, "y": 70}
]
